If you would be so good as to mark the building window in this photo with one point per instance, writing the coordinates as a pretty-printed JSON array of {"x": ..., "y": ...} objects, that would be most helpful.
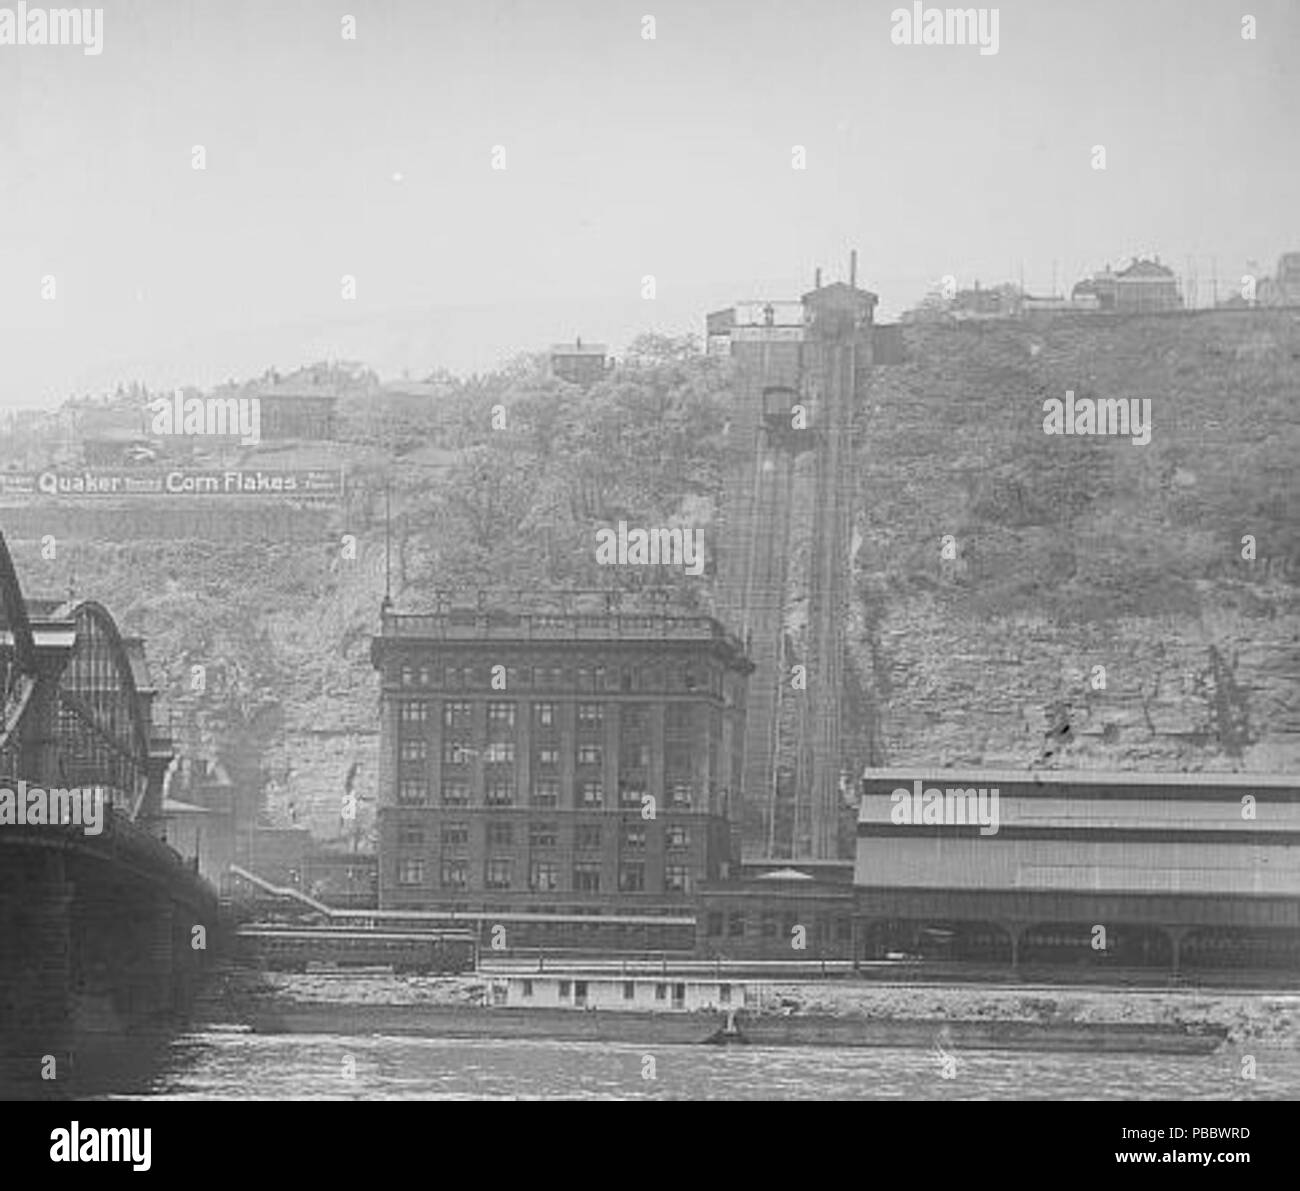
[
  {"x": 546, "y": 791},
  {"x": 634, "y": 839},
  {"x": 425, "y": 678},
  {"x": 500, "y": 835},
  {"x": 500, "y": 752},
  {"x": 455, "y": 874},
  {"x": 631, "y": 876},
  {"x": 411, "y": 837},
  {"x": 544, "y": 715},
  {"x": 456, "y": 714},
  {"x": 586, "y": 876},
  {"x": 676, "y": 878},
  {"x": 455, "y": 794},
  {"x": 736, "y": 926},
  {"x": 409, "y": 711},
  {"x": 410, "y": 872},
  {"x": 408, "y": 676},
  {"x": 564, "y": 990},
  {"x": 412, "y": 791},
  {"x": 631, "y": 793},
  {"x": 501, "y": 715},
  {"x": 661, "y": 992},
  {"x": 590, "y": 716},
  {"x": 679, "y": 720},
  {"x": 629, "y": 990},
  {"x": 548, "y": 756},
  {"x": 544, "y": 876},
  {"x": 528, "y": 988},
  {"x": 413, "y": 750},
  {"x": 587, "y": 836},
  {"x": 456, "y": 752},
  {"x": 455, "y": 834},
  {"x": 679, "y": 794},
  {"x": 542, "y": 835},
  {"x": 588, "y": 754},
  {"x": 724, "y": 994},
  {"x": 500, "y": 794},
  {"x": 677, "y": 836},
  {"x": 714, "y": 927},
  {"x": 592, "y": 794},
  {"x": 500, "y": 872}
]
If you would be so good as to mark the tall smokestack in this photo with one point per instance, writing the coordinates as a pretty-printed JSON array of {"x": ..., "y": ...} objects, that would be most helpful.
[
  {"x": 853, "y": 269},
  {"x": 817, "y": 278}
]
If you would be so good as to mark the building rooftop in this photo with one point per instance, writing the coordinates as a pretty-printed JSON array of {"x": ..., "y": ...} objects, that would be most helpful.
[
  {"x": 579, "y": 349},
  {"x": 469, "y": 624},
  {"x": 298, "y": 392},
  {"x": 1075, "y": 777},
  {"x": 1143, "y": 268}
]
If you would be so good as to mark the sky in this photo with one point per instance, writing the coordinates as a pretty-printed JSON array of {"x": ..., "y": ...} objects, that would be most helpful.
[{"x": 625, "y": 157}]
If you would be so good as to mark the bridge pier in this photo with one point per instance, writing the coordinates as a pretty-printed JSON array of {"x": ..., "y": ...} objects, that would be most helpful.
[
  {"x": 149, "y": 977},
  {"x": 36, "y": 963}
]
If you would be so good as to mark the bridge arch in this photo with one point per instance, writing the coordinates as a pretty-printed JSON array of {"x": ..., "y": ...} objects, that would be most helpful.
[
  {"x": 103, "y": 726},
  {"x": 18, "y": 674},
  {"x": 13, "y": 613}
]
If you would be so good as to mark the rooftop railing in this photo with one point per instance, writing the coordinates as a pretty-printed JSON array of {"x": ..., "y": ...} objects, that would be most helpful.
[{"x": 469, "y": 624}]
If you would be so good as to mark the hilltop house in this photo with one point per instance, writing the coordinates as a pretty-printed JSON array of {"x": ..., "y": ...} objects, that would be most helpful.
[
  {"x": 1145, "y": 286},
  {"x": 298, "y": 411},
  {"x": 1283, "y": 289},
  {"x": 579, "y": 363}
]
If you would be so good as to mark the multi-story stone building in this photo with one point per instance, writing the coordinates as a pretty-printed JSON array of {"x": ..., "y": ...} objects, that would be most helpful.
[{"x": 557, "y": 762}]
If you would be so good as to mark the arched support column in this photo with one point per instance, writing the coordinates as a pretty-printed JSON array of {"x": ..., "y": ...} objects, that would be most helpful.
[
  {"x": 1015, "y": 933},
  {"x": 1176, "y": 934}
]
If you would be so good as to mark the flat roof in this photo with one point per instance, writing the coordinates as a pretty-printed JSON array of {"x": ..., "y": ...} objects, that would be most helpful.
[
  {"x": 1086, "y": 777},
  {"x": 671, "y": 976},
  {"x": 550, "y": 628}
]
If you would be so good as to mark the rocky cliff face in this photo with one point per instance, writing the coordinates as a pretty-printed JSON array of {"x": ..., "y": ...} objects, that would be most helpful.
[{"x": 1099, "y": 605}]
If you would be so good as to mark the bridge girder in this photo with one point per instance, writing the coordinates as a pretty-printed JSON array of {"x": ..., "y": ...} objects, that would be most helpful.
[{"x": 101, "y": 725}]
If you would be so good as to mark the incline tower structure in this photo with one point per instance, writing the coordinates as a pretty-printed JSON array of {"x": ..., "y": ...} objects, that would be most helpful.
[{"x": 800, "y": 371}]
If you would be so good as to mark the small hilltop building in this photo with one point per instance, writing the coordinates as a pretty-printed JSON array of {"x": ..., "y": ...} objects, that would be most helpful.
[{"x": 580, "y": 363}]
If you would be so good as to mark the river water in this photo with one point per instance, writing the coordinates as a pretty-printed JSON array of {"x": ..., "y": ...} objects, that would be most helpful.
[{"x": 221, "y": 1064}]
